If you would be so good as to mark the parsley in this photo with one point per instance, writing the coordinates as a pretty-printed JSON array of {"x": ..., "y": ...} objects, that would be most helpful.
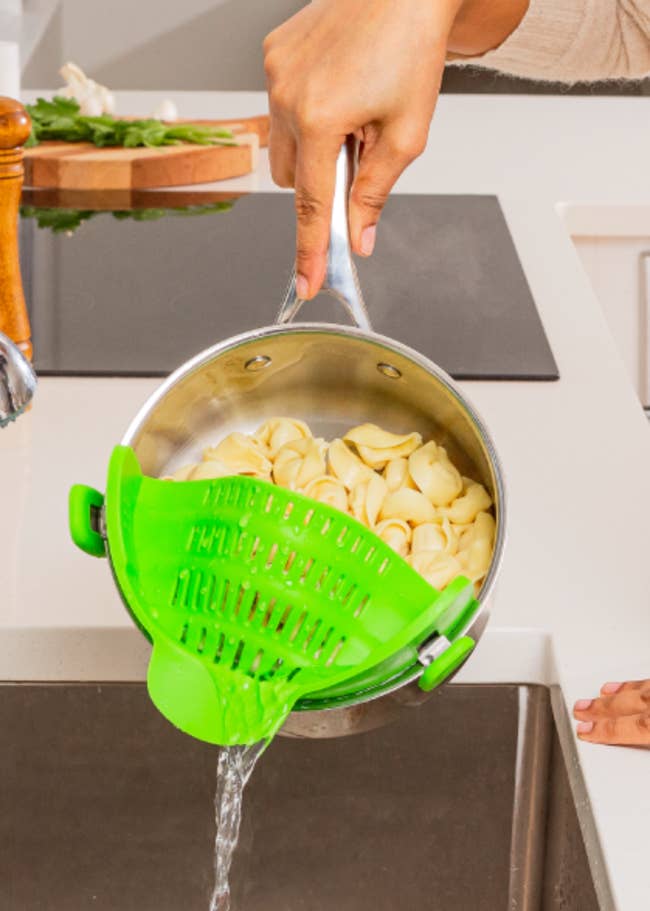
[
  {"x": 60, "y": 119},
  {"x": 66, "y": 221}
]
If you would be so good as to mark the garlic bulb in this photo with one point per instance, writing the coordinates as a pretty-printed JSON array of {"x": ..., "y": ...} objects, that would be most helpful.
[
  {"x": 166, "y": 111},
  {"x": 94, "y": 99}
]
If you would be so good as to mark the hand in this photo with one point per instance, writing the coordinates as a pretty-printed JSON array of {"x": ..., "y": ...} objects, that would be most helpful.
[
  {"x": 372, "y": 68},
  {"x": 621, "y": 715},
  {"x": 368, "y": 67}
]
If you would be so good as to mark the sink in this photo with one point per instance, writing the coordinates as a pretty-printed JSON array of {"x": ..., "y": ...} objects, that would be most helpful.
[{"x": 462, "y": 804}]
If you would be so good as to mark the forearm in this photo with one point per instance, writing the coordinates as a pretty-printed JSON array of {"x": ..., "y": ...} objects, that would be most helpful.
[
  {"x": 555, "y": 40},
  {"x": 482, "y": 25}
]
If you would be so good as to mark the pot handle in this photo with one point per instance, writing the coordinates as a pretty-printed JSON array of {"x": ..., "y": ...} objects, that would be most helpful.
[{"x": 341, "y": 279}]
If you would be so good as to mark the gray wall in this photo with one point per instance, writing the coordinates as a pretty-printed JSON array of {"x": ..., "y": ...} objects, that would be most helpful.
[
  {"x": 207, "y": 44},
  {"x": 157, "y": 44}
]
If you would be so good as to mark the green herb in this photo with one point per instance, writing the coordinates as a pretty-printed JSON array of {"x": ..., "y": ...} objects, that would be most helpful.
[
  {"x": 66, "y": 221},
  {"x": 60, "y": 119}
]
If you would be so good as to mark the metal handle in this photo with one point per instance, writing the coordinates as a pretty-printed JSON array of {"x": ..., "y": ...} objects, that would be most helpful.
[
  {"x": 341, "y": 279},
  {"x": 17, "y": 381}
]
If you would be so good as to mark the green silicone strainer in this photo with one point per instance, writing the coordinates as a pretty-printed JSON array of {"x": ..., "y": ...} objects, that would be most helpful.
[{"x": 253, "y": 596}]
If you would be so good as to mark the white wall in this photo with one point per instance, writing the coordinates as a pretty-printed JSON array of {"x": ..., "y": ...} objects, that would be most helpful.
[{"x": 193, "y": 44}]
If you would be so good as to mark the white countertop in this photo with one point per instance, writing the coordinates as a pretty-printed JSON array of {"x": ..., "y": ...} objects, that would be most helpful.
[{"x": 573, "y": 602}]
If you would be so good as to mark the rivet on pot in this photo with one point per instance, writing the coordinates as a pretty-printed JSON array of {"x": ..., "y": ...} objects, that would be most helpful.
[
  {"x": 259, "y": 362},
  {"x": 388, "y": 370}
]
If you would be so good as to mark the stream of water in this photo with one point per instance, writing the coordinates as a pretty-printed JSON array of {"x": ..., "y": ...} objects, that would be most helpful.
[{"x": 234, "y": 768}]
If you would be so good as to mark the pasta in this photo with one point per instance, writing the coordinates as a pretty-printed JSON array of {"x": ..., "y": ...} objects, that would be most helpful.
[
  {"x": 366, "y": 499},
  {"x": 328, "y": 490},
  {"x": 275, "y": 432},
  {"x": 346, "y": 465},
  {"x": 410, "y": 505},
  {"x": 396, "y": 533},
  {"x": 299, "y": 462},
  {"x": 377, "y": 446},
  {"x": 244, "y": 454},
  {"x": 397, "y": 474},
  {"x": 409, "y": 492},
  {"x": 465, "y": 509},
  {"x": 434, "y": 474},
  {"x": 476, "y": 546},
  {"x": 435, "y": 536}
]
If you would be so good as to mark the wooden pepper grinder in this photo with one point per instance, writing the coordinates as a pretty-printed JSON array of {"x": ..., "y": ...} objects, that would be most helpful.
[{"x": 14, "y": 129}]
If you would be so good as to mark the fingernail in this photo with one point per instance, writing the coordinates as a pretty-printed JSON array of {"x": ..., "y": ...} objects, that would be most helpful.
[
  {"x": 612, "y": 687},
  {"x": 585, "y": 727},
  {"x": 302, "y": 286},
  {"x": 368, "y": 236},
  {"x": 582, "y": 704}
]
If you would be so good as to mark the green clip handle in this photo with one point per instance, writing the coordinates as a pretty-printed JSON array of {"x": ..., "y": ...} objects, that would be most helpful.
[
  {"x": 83, "y": 503},
  {"x": 445, "y": 664}
]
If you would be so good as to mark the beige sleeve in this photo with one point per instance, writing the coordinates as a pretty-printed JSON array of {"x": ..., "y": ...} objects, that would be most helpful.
[{"x": 575, "y": 41}]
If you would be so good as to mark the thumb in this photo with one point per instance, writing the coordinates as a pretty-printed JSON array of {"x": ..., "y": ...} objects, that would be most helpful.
[{"x": 380, "y": 166}]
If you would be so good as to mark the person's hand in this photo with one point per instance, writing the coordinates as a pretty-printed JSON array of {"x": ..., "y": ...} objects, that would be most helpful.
[
  {"x": 372, "y": 68},
  {"x": 368, "y": 67},
  {"x": 621, "y": 715}
]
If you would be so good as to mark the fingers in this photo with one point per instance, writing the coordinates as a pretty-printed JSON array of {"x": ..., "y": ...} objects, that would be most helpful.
[
  {"x": 314, "y": 183},
  {"x": 626, "y": 702},
  {"x": 384, "y": 158},
  {"x": 625, "y": 730},
  {"x": 282, "y": 153},
  {"x": 620, "y": 715},
  {"x": 609, "y": 688}
]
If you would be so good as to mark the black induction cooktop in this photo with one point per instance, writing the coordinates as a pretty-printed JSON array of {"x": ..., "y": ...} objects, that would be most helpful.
[{"x": 139, "y": 293}]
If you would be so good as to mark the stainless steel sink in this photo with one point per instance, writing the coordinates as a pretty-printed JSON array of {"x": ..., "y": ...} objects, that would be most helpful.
[{"x": 463, "y": 804}]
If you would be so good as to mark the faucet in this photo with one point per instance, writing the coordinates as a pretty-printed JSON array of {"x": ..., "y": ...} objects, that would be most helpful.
[{"x": 17, "y": 376}]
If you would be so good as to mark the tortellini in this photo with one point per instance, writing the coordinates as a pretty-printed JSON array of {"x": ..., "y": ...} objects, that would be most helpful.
[
  {"x": 347, "y": 466},
  {"x": 435, "y": 536},
  {"x": 377, "y": 446},
  {"x": 328, "y": 490},
  {"x": 476, "y": 545},
  {"x": 275, "y": 432},
  {"x": 409, "y": 493},
  {"x": 241, "y": 453},
  {"x": 475, "y": 499},
  {"x": 410, "y": 505},
  {"x": 397, "y": 474},
  {"x": 436, "y": 477},
  {"x": 366, "y": 499},
  {"x": 396, "y": 533},
  {"x": 299, "y": 462},
  {"x": 437, "y": 567}
]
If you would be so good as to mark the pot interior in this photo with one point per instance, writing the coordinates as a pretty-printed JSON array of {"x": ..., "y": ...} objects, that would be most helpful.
[{"x": 330, "y": 378}]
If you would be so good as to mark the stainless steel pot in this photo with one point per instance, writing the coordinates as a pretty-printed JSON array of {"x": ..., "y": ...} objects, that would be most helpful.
[{"x": 333, "y": 377}]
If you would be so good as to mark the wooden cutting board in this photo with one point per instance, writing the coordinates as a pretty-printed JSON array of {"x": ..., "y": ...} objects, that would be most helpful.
[{"x": 82, "y": 166}]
